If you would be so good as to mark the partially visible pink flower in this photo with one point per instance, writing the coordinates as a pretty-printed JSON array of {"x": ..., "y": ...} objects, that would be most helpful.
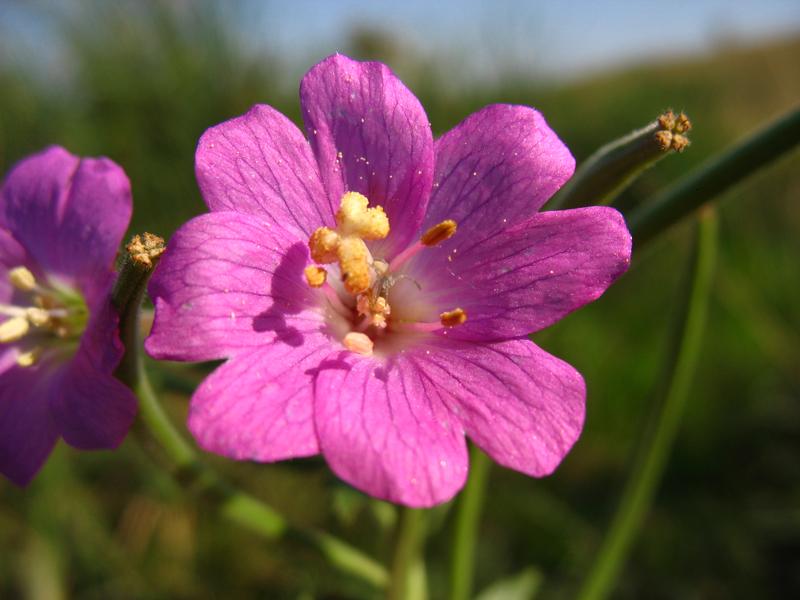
[
  {"x": 423, "y": 342},
  {"x": 61, "y": 221}
]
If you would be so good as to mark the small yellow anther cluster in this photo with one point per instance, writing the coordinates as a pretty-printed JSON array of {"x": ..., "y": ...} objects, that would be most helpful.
[
  {"x": 375, "y": 307},
  {"x": 453, "y": 318},
  {"x": 439, "y": 233},
  {"x": 44, "y": 314},
  {"x": 359, "y": 343},
  {"x": 671, "y": 136},
  {"x": 355, "y": 222},
  {"x": 22, "y": 279},
  {"x": 315, "y": 276}
]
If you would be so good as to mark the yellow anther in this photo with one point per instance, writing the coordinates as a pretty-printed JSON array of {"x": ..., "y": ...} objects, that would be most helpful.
[
  {"x": 323, "y": 244},
  {"x": 358, "y": 343},
  {"x": 667, "y": 120},
  {"x": 679, "y": 142},
  {"x": 28, "y": 359},
  {"x": 315, "y": 276},
  {"x": 683, "y": 124},
  {"x": 22, "y": 279},
  {"x": 663, "y": 139},
  {"x": 354, "y": 262},
  {"x": 439, "y": 233},
  {"x": 454, "y": 317},
  {"x": 13, "y": 329},
  {"x": 37, "y": 316},
  {"x": 363, "y": 304},
  {"x": 377, "y": 309},
  {"x": 381, "y": 267},
  {"x": 355, "y": 218}
]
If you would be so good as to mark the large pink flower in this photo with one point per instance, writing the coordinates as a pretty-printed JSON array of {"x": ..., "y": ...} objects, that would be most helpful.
[
  {"x": 61, "y": 221},
  {"x": 385, "y": 370}
]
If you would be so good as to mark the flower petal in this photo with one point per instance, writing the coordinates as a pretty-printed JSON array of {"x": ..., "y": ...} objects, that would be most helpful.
[
  {"x": 70, "y": 213},
  {"x": 261, "y": 164},
  {"x": 370, "y": 135},
  {"x": 228, "y": 283},
  {"x": 11, "y": 255},
  {"x": 530, "y": 276},
  {"x": 496, "y": 168},
  {"x": 384, "y": 430},
  {"x": 93, "y": 409},
  {"x": 27, "y": 431},
  {"x": 522, "y": 406},
  {"x": 259, "y": 405}
]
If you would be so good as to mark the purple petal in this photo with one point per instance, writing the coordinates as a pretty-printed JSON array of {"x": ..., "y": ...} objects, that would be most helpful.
[
  {"x": 530, "y": 276},
  {"x": 259, "y": 405},
  {"x": 229, "y": 283},
  {"x": 385, "y": 430},
  {"x": 11, "y": 255},
  {"x": 69, "y": 213},
  {"x": 92, "y": 408},
  {"x": 496, "y": 168},
  {"x": 522, "y": 406},
  {"x": 370, "y": 135},
  {"x": 27, "y": 431},
  {"x": 261, "y": 164}
]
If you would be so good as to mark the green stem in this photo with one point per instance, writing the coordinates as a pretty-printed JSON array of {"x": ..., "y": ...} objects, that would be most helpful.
[
  {"x": 233, "y": 504},
  {"x": 240, "y": 507},
  {"x": 467, "y": 522},
  {"x": 612, "y": 168},
  {"x": 658, "y": 439},
  {"x": 714, "y": 177},
  {"x": 408, "y": 570}
]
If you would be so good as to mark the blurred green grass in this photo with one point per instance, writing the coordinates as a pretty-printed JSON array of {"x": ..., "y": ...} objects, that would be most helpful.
[{"x": 143, "y": 85}]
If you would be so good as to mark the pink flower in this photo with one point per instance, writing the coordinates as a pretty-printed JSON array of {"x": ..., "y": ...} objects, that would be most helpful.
[
  {"x": 383, "y": 373},
  {"x": 61, "y": 221}
]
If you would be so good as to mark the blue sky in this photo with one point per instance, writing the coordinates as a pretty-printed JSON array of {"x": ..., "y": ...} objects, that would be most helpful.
[
  {"x": 545, "y": 38},
  {"x": 554, "y": 38}
]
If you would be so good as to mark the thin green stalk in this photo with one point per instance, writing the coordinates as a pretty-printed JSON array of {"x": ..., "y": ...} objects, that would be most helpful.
[
  {"x": 468, "y": 517},
  {"x": 657, "y": 442},
  {"x": 612, "y": 168},
  {"x": 233, "y": 504},
  {"x": 714, "y": 177},
  {"x": 408, "y": 571}
]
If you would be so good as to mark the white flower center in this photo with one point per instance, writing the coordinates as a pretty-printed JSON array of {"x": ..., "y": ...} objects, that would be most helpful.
[
  {"x": 363, "y": 298},
  {"x": 41, "y": 315}
]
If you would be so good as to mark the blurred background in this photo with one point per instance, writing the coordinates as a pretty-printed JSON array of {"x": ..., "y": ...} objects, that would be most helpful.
[{"x": 139, "y": 81}]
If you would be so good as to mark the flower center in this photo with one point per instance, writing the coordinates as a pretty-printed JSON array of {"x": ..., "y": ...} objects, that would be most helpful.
[
  {"x": 41, "y": 315},
  {"x": 363, "y": 299}
]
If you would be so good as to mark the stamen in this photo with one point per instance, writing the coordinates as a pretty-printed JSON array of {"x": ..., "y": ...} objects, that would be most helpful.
[
  {"x": 323, "y": 244},
  {"x": 37, "y": 316},
  {"x": 354, "y": 259},
  {"x": 12, "y": 311},
  {"x": 354, "y": 218},
  {"x": 434, "y": 236},
  {"x": 315, "y": 276},
  {"x": 28, "y": 359},
  {"x": 453, "y": 318},
  {"x": 334, "y": 300},
  {"x": 376, "y": 309},
  {"x": 439, "y": 233},
  {"x": 22, "y": 279},
  {"x": 358, "y": 343},
  {"x": 13, "y": 329}
]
